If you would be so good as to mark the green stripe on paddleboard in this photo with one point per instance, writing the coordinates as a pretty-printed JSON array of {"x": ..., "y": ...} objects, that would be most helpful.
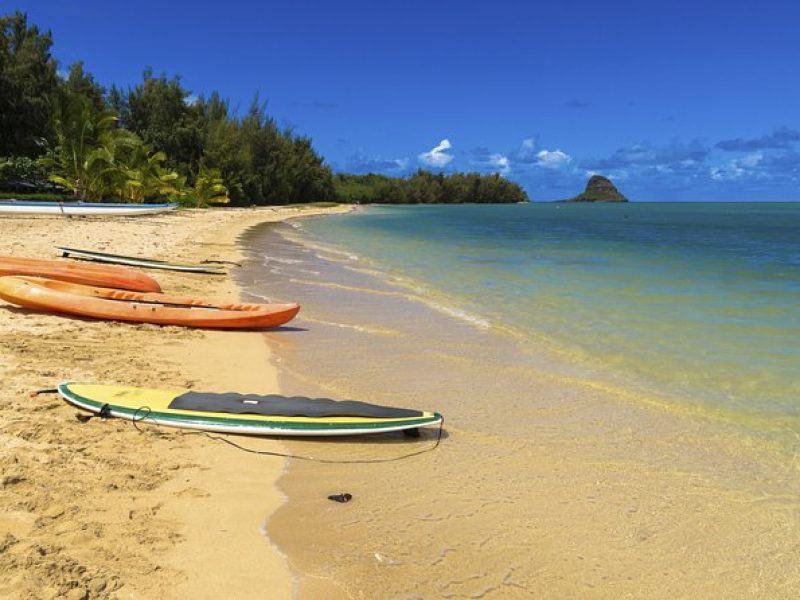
[{"x": 140, "y": 413}]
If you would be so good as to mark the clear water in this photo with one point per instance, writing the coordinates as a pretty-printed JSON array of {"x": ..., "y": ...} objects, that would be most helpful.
[
  {"x": 693, "y": 304},
  {"x": 619, "y": 386}
]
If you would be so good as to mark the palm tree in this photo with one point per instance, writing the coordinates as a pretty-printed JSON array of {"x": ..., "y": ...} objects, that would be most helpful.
[
  {"x": 83, "y": 157},
  {"x": 94, "y": 159},
  {"x": 143, "y": 175},
  {"x": 209, "y": 187}
]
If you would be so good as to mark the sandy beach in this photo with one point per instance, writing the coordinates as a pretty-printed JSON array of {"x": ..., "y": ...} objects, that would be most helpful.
[
  {"x": 580, "y": 491},
  {"x": 103, "y": 510}
]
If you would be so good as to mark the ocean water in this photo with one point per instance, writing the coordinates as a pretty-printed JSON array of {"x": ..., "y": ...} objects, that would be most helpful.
[
  {"x": 698, "y": 304},
  {"x": 621, "y": 388}
]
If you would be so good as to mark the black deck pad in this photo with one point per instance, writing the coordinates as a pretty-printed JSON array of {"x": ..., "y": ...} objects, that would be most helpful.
[{"x": 286, "y": 406}]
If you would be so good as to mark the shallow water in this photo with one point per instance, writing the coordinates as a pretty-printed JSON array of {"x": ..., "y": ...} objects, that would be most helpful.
[{"x": 619, "y": 384}]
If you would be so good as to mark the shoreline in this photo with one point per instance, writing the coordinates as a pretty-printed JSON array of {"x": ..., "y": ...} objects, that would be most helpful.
[
  {"x": 100, "y": 509},
  {"x": 577, "y": 490}
]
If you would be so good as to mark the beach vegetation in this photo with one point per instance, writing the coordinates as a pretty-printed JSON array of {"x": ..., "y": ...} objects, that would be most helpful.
[
  {"x": 140, "y": 174},
  {"x": 209, "y": 188},
  {"x": 28, "y": 84},
  {"x": 79, "y": 83},
  {"x": 159, "y": 110},
  {"x": 259, "y": 162},
  {"x": 158, "y": 141},
  {"x": 21, "y": 169},
  {"x": 81, "y": 159},
  {"x": 424, "y": 187},
  {"x": 94, "y": 159},
  {"x": 41, "y": 196}
]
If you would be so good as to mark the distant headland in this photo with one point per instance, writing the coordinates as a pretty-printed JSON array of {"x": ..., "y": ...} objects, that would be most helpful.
[{"x": 599, "y": 189}]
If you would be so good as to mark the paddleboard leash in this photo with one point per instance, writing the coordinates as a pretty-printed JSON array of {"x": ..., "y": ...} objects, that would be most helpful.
[{"x": 220, "y": 262}]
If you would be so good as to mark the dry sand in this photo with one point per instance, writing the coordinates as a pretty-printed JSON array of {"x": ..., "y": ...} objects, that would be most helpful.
[{"x": 100, "y": 509}]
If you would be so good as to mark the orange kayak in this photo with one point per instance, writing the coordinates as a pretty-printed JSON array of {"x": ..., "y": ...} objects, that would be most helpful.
[
  {"x": 100, "y": 275},
  {"x": 118, "y": 305}
]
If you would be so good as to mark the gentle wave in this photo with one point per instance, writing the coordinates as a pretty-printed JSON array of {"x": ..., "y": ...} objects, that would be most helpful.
[
  {"x": 281, "y": 260},
  {"x": 262, "y": 297},
  {"x": 370, "y": 330},
  {"x": 319, "y": 249},
  {"x": 449, "y": 310},
  {"x": 417, "y": 291},
  {"x": 463, "y": 315},
  {"x": 345, "y": 287}
]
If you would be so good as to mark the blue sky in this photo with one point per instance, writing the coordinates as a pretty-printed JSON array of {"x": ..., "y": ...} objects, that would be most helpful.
[{"x": 672, "y": 100}]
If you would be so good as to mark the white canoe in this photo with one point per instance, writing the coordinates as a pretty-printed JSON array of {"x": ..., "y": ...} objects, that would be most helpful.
[{"x": 24, "y": 207}]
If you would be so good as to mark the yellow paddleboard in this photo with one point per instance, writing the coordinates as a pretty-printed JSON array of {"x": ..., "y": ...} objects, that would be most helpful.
[{"x": 153, "y": 406}]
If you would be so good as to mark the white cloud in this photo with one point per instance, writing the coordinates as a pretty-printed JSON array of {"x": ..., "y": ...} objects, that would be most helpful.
[
  {"x": 746, "y": 166},
  {"x": 438, "y": 156},
  {"x": 552, "y": 159},
  {"x": 749, "y": 161},
  {"x": 500, "y": 162},
  {"x": 361, "y": 163},
  {"x": 717, "y": 173},
  {"x": 526, "y": 153}
]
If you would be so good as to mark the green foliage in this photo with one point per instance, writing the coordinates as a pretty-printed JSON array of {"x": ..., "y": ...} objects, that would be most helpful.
[
  {"x": 155, "y": 141},
  {"x": 426, "y": 188},
  {"x": 22, "y": 168},
  {"x": 140, "y": 174},
  {"x": 33, "y": 196},
  {"x": 209, "y": 188},
  {"x": 95, "y": 160},
  {"x": 159, "y": 111},
  {"x": 81, "y": 160},
  {"x": 28, "y": 85},
  {"x": 259, "y": 162},
  {"x": 80, "y": 83}
]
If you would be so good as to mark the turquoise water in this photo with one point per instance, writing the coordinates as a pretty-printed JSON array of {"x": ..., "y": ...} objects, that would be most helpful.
[
  {"x": 695, "y": 306},
  {"x": 619, "y": 386}
]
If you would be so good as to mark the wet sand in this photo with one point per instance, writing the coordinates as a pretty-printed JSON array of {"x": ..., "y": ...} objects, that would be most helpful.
[
  {"x": 546, "y": 485},
  {"x": 99, "y": 509}
]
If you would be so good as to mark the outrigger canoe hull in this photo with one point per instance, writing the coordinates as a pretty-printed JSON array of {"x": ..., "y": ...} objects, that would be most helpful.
[{"x": 74, "y": 209}]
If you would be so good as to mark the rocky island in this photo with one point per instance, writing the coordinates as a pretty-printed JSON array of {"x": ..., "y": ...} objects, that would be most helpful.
[{"x": 599, "y": 189}]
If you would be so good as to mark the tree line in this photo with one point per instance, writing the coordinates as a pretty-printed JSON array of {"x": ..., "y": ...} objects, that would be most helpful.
[
  {"x": 427, "y": 188},
  {"x": 65, "y": 134}
]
